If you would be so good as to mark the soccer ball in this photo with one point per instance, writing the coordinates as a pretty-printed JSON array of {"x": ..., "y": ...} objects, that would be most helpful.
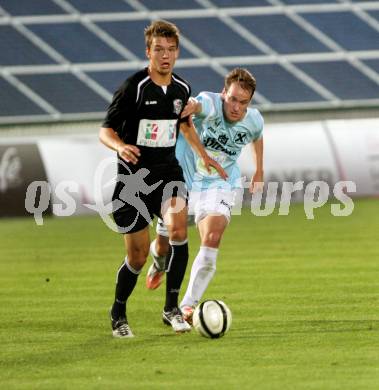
[{"x": 212, "y": 318}]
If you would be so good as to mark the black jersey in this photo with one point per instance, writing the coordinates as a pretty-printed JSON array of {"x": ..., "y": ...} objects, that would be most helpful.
[{"x": 145, "y": 115}]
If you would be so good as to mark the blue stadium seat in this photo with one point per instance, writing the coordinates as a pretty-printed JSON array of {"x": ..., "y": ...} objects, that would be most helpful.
[
  {"x": 307, "y": 2},
  {"x": 374, "y": 64},
  {"x": 202, "y": 78},
  {"x": 31, "y": 7},
  {"x": 342, "y": 79},
  {"x": 130, "y": 34},
  {"x": 75, "y": 42},
  {"x": 241, "y": 3},
  {"x": 230, "y": 44},
  {"x": 15, "y": 103},
  {"x": 65, "y": 92},
  {"x": 282, "y": 34},
  {"x": 101, "y": 6},
  {"x": 279, "y": 86},
  {"x": 374, "y": 14},
  {"x": 262, "y": 35},
  {"x": 346, "y": 29},
  {"x": 169, "y": 5},
  {"x": 16, "y": 49},
  {"x": 111, "y": 79}
]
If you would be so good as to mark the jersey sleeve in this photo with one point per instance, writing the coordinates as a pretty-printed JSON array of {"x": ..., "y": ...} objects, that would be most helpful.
[
  {"x": 186, "y": 118},
  {"x": 208, "y": 106},
  {"x": 122, "y": 103},
  {"x": 258, "y": 123}
]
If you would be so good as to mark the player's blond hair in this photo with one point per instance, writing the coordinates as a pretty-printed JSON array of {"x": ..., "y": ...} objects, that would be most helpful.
[
  {"x": 243, "y": 77},
  {"x": 161, "y": 28}
]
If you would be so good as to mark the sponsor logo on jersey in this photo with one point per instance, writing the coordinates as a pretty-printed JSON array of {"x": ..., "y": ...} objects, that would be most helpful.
[
  {"x": 240, "y": 138},
  {"x": 178, "y": 105},
  {"x": 223, "y": 139},
  {"x": 212, "y": 143},
  {"x": 214, "y": 125},
  {"x": 150, "y": 102},
  {"x": 157, "y": 133},
  {"x": 151, "y": 131}
]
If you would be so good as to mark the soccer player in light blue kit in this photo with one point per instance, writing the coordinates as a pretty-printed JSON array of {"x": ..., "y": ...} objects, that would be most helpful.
[{"x": 225, "y": 124}]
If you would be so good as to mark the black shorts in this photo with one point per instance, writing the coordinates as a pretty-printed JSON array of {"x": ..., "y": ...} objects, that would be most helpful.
[{"x": 137, "y": 199}]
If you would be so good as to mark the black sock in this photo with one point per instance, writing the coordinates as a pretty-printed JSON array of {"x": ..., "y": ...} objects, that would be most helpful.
[
  {"x": 176, "y": 264},
  {"x": 126, "y": 281}
]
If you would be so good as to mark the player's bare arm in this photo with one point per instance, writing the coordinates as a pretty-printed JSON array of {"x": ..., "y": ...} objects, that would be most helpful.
[
  {"x": 256, "y": 183},
  {"x": 191, "y": 136},
  {"x": 110, "y": 138},
  {"x": 192, "y": 107}
]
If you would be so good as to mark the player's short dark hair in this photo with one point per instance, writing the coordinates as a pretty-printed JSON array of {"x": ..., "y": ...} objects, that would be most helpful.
[
  {"x": 243, "y": 77},
  {"x": 161, "y": 28}
]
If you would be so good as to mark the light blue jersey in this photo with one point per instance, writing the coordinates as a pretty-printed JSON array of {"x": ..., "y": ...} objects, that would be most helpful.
[{"x": 223, "y": 141}]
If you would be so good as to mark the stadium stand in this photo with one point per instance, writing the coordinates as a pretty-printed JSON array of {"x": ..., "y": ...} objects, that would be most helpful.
[{"x": 62, "y": 59}]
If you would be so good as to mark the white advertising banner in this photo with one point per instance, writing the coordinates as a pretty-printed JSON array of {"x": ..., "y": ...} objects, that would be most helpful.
[
  {"x": 330, "y": 151},
  {"x": 80, "y": 171},
  {"x": 355, "y": 144},
  {"x": 293, "y": 153},
  {"x": 71, "y": 163}
]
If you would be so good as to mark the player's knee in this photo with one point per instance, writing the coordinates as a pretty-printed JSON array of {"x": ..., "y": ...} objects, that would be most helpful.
[
  {"x": 137, "y": 257},
  {"x": 212, "y": 239},
  {"x": 178, "y": 233}
]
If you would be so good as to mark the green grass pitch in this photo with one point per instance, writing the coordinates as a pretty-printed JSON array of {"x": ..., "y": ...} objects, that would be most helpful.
[{"x": 304, "y": 296}]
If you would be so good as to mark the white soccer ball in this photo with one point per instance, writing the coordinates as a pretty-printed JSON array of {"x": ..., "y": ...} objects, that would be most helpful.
[{"x": 212, "y": 318}]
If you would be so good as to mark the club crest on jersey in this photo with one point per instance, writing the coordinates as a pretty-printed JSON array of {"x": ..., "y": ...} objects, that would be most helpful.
[
  {"x": 178, "y": 104},
  {"x": 240, "y": 138}
]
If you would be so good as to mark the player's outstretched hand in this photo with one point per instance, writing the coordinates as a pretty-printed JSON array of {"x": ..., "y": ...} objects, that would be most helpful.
[
  {"x": 192, "y": 107},
  {"x": 256, "y": 183},
  {"x": 209, "y": 162},
  {"x": 129, "y": 153}
]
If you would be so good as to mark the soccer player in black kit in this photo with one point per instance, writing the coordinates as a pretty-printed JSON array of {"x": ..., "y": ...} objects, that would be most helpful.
[{"x": 142, "y": 125}]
